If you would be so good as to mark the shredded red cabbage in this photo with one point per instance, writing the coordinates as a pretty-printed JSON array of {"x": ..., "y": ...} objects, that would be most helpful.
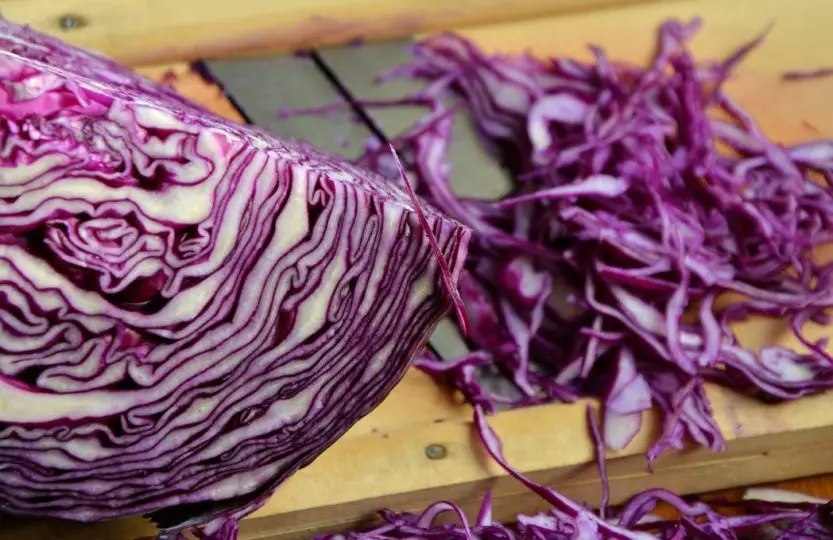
[
  {"x": 623, "y": 195},
  {"x": 760, "y": 521},
  {"x": 653, "y": 197}
]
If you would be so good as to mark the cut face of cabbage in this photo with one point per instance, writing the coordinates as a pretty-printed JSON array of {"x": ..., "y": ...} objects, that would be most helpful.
[{"x": 190, "y": 309}]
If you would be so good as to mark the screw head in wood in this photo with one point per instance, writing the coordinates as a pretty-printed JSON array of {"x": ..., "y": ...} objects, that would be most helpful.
[
  {"x": 71, "y": 21},
  {"x": 435, "y": 451}
]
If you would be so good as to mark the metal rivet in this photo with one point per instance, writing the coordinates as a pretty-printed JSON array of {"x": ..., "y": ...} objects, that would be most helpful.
[
  {"x": 435, "y": 451},
  {"x": 71, "y": 22}
]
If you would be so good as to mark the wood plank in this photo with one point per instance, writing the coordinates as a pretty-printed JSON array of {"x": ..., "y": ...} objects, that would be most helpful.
[
  {"x": 364, "y": 472},
  {"x": 142, "y": 32},
  {"x": 382, "y": 460}
]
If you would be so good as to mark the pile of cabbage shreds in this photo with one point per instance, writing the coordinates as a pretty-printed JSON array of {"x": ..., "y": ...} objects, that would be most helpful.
[{"x": 652, "y": 196}]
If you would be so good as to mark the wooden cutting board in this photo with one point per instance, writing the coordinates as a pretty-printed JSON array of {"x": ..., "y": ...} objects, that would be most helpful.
[{"x": 383, "y": 461}]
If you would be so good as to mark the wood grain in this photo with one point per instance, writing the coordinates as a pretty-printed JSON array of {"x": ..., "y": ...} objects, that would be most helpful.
[
  {"x": 142, "y": 32},
  {"x": 382, "y": 460}
]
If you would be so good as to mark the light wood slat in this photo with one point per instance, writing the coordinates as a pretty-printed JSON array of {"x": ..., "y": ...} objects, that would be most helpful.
[{"x": 142, "y": 32}]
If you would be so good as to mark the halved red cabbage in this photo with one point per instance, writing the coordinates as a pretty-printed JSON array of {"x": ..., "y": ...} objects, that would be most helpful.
[{"x": 190, "y": 310}]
